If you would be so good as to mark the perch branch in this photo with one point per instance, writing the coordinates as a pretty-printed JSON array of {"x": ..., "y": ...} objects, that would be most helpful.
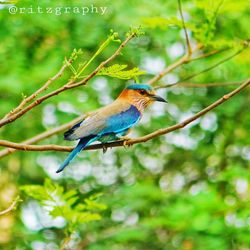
[
  {"x": 43, "y": 135},
  {"x": 145, "y": 138}
]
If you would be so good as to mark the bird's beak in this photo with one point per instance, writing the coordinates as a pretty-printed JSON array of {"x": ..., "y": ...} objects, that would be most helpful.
[{"x": 157, "y": 98}]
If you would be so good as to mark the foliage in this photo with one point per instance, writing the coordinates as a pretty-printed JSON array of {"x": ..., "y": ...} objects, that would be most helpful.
[
  {"x": 77, "y": 73},
  {"x": 118, "y": 71},
  {"x": 165, "y": 23},
  {"x": 65, "y": 204}
]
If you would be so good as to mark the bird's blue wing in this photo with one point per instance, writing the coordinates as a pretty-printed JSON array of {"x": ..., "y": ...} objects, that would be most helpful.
[
  {"x": 122, "y": 121},
  {"x": 114, "y": 118}
]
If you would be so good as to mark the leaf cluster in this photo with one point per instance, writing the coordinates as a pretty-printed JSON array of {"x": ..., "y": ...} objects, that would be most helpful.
[
  {"x": 67, "y": 204},
  {"x": 118, "y": 71}
]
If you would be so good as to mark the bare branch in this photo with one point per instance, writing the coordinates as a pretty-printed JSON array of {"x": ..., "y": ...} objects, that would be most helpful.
[
  {"x": 65, "y": 242},
  {"x": 67, "y": 86},
  {"x": 208, "y": 54},
  {"x": 117, "y": 52},
  {"x": 189, "y": 48},
  {"x": 11, "y": 207},
  {"x": 25, "y": 147},
  {"x": 43, "y": 135},
  {"x": 137, "y": 140},
  {"x": 183, "y": 60},
  {"x": 202, "y": 71},
  {"x": 35, "y": 94},
  {"x": 206, "y": 85}
]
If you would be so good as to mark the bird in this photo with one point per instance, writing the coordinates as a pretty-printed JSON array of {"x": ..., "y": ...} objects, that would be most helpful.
[{"x": 112, "y": 122}]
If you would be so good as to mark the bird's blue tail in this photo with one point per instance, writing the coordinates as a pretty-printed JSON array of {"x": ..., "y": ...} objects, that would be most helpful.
[{"x": 80, "y": 146}]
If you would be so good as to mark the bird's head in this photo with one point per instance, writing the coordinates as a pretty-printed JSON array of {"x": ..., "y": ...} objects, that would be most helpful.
[{"x": 140, "y": 95}]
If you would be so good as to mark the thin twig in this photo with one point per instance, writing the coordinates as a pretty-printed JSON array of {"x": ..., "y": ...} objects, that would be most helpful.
[
  {"x": 210, "y": 53},
  {"x": 189, "y": 48},
  {"x": 43, "y": 135},
  {"x": 117, "y": 52},
  {"x": 65, "y": 242},
  {"x": 206, "y": 85},
  {"x": 214, "y": 66},
  {"x": 35, "y": 94},
  {"x": 145, "y": 138},
  {"x": 69, "y": 85},
  {"x": 202, "y": 71},
  {"x": 183, "y": 60},
  {"x": 11, "y": 207}
]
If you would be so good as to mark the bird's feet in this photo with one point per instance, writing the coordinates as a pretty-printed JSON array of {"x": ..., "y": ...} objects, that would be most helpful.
[
  {"x": 104, "y": 148},
  {"x": 125, "y": 139}
]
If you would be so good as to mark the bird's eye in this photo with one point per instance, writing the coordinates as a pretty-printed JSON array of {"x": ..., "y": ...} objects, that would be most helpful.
[{"x": 142, "y": 92}]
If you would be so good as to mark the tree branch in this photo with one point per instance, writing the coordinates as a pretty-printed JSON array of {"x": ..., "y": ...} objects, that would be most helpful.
[
  {"x": 65, "y": 242},
  {"x": 210, "y": 53},
  {"x": 43, "y": 135},
  {"x": 35, "y": 94},
  {"x": 185, "y": 60},
  {"x": 206, "y": 85},
  {"x": 181, "y": 61},
  {"x": 11, "y": 207},
  {"x": 204, "y": 70},
  {"x": 189, "y": 48},
  {"x": 69, "y": 85},
  {"x": 136, "y": 140}
]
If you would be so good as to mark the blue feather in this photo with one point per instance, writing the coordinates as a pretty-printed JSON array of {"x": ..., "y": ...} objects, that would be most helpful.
[
  {"x": 108, "y": 129},
  {"x": 122, "y": 121},
  {"x": 139, "y": 86},
  {"x": 84, "y": 142}
]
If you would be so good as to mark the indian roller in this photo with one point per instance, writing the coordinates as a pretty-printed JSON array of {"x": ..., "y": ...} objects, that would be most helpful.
[{"x": 112, "y": 122}]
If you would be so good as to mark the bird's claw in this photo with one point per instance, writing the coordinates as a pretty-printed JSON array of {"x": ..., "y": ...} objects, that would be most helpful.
[
  {"x": 125, "y": 139},
  {"x": 104, "y": 148}
]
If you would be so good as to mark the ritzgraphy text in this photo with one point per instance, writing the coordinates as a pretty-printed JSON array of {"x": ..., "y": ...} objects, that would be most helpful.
[{"x": 59, "y": 10}]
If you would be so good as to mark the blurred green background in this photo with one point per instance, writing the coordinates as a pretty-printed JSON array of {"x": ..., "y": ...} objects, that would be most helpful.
[{"x": 186, "y": 190}]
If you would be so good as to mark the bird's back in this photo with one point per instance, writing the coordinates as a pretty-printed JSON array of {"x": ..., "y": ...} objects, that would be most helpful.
[{"x": 116, "y": 116}]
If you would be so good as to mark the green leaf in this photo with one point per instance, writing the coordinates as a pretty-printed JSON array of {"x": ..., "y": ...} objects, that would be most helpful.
[
  {"x": 205, "y": 32},
  {"x": 65, "y": 203},
  {"x": 69, "y": 194},
  {"x": 117, "y": 71},
  {"x": 113, "y": 37},
  {"x": 135, "y": 31}
]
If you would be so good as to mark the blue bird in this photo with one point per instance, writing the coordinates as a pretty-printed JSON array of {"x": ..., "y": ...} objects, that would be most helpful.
[{"x": 113, "y": 121}]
